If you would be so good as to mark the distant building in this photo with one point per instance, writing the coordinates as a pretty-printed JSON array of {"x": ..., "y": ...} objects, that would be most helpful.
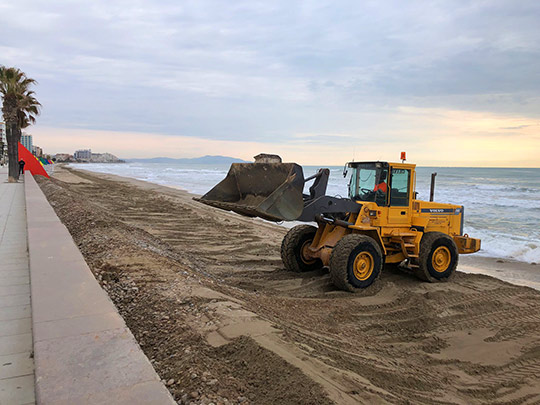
[
  {"x": 104, "y": 158},
  {"x": 26, "y": 140},
  {"x": 63, "y": 157},
  {"x": 83, "y": 154},
  {"x": 37, "y": 151},
  {"x": 86, "y": 156}
]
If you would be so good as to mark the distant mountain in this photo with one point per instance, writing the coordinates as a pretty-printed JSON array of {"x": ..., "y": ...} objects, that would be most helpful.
[{"x": 204, "y": 160}]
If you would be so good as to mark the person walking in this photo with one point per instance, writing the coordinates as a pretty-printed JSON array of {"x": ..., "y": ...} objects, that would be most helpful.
[{"x": 21, "y": 166}]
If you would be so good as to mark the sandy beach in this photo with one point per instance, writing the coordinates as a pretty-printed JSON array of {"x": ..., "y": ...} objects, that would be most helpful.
[{"x": 205, "y": 294}]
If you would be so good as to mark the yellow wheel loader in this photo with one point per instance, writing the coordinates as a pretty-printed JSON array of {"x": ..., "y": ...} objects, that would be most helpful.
[{"x": 381, "y": 222}]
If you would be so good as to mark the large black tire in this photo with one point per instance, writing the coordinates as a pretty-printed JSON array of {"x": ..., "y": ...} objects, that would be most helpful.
[
  {"x": 438, "y": 257},
  {"x": 292, "y": 246},
  {"x": 356, "y": 262}
]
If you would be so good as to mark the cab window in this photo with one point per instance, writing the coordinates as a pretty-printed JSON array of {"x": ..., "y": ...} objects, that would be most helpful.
[
  {"x": 369, "y": 183},
  {"x": 399, "y": 187}
]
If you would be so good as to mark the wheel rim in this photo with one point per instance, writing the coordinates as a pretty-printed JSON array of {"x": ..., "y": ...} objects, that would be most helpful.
[
  {"x": 363, "y": 266},
  {"x": 304, "y": 252},
  {"x": 441, "y": 258}
]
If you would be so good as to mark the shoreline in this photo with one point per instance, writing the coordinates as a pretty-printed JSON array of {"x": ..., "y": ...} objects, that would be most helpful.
[
  {"x": 505, "y": 269},
  {"x": 511, "y": 271}
]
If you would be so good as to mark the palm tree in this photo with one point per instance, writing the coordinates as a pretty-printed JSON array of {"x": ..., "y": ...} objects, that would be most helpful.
[{"x": 19, "y": 108}]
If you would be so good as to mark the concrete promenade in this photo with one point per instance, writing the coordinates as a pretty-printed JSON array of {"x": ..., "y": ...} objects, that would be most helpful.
[
  {"x": 16, "y": 359},
  {"x": 62, "y": 340},
  {"x": 83, "y": 351}
]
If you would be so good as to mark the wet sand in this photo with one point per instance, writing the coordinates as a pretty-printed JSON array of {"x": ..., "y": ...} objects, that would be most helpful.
[
  {"x": 518, "y": 273},
  {"x": 206, "y": 295}
]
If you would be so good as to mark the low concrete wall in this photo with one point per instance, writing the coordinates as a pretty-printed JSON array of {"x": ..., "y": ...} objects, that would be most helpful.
[{"x": 83, "y": 351}]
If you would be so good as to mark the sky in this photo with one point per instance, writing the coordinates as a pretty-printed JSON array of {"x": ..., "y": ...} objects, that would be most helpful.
[{"x": 317, "y": 82}]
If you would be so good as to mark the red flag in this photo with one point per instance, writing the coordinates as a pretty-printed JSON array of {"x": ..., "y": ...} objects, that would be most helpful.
[{"x": 31, "y": 162}]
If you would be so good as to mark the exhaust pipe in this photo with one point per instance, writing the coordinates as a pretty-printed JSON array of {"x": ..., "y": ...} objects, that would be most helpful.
[{"x": 432, "y": 190}]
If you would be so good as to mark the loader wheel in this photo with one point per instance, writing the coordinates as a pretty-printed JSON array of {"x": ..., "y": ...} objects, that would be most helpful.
[
  {"x": 294, "y": 246},
  {"x": 438, "y": 257},
  {"x": 355, "y": 263}
]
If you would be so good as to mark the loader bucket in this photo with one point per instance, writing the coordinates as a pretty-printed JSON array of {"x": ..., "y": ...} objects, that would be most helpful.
[{"x": 272, "y": 191}]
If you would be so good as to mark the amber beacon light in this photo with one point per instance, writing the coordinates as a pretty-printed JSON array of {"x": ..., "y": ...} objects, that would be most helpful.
[{"x": 403, "y": 157}]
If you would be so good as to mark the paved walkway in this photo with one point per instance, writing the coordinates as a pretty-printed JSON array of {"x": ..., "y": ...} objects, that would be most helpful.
[{"x": 16, "y": 362}]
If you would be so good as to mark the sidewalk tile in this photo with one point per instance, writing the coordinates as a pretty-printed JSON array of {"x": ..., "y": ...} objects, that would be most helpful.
[
  {"x": 13, "y": 300},
  {"x": 16, "y": 326},
  {"x": 14, "y": 289},
  {"x": 16, "y": 365},
  {"x": 16, "y": 344},
  {"x": 17, "y": 390},
  {"x": 16, "y": 312},
  {"x": 13, "y": 273},
  {"x": 10, "y": 281}
]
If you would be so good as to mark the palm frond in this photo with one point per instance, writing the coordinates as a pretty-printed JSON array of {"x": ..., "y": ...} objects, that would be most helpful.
[{"x": 19, "y": 102}]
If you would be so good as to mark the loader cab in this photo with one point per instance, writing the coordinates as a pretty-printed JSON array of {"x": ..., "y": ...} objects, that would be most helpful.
[{"x": 386, "y": 184}]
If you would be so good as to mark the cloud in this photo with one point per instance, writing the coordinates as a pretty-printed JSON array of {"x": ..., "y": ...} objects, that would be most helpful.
[
  {"x": 271, "y": 71},
  {"x": 431, "y": 137},
  {"x": 517, "y": 127}
]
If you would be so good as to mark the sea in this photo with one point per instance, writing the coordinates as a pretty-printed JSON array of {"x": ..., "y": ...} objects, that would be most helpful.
[{"x": 502, "y": 205}]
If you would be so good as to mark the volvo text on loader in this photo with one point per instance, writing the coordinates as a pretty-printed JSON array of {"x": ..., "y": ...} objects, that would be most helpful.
[{"x": 381, "y": 222}]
